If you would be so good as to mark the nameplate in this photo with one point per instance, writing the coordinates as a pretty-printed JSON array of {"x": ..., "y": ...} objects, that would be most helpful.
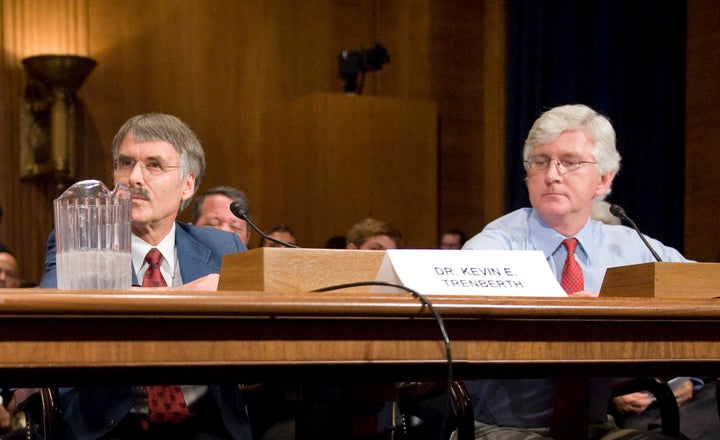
[{"x": 471, "y": 272}]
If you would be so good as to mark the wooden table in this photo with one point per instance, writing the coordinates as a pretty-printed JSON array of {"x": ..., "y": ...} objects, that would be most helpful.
[{"x": 53, "y": 337}]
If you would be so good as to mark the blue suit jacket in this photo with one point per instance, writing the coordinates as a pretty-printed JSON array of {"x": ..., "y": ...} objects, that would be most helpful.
[
  {"x": 200, "y": 251},
  {"x": 90, "y": 412}
]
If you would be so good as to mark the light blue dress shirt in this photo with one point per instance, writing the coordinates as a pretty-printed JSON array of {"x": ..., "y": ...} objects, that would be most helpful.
[
  {"x": 600, "y": 245},
  {"x": 528, "y": 403}
]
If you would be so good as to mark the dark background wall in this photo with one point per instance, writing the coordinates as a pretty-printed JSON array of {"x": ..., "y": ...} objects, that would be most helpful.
[{"x": 627, "y": 61}]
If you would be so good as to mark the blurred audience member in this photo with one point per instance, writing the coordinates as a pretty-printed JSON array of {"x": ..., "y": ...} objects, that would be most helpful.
[
  {"x": 212, "y": 209},
  {"x": 336, "y": 242},
  {"x": 601, "y": 212},
  {"x": 279, "y": 232},
  {"x": 452, "y": 239},
  {"x": 371, "y": 234},
  {"x": 9, "y": 269}
]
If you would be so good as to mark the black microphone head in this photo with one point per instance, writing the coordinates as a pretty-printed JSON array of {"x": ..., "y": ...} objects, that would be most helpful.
[
  {"x": 617, "y": 210},
  {"x": 238, "y": 210}
]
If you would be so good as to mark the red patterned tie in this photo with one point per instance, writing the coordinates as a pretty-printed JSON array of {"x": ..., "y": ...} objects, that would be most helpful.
[
  {"x": 572, "y": 276},
  {"x": 572, "y": 404},
  {"x": 153, "y": 276},
  {"x": 166, "y": 403}
]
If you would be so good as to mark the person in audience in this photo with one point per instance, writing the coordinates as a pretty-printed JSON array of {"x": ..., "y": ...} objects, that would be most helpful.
[
  {"x": 279, "y": 232},
  {"x": 9, "y": 269},
  {"x": 162, "y": 162},
  {"x": 372, "y": 234},
  {"x": 336, "y": 242},
  {"x": 453, "y": 239},
  {"x": 601, "y": 212},
  {"x": 570, "y": 160},
  {"x": 212, "y": 209}
]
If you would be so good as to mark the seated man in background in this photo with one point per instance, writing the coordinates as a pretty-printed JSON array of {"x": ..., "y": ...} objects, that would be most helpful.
[
  {"x": 601, "y": 212},
  {"x": 279, "y": 232},
  {"x": 376, "y": 235},
  {"x": 212, "y": 209},
  {"x": 452, "y": 239},
  {"x": 162, "y": 162},
  {"x": 570, "y": 159},
  {"x": 9, "y": 269}
]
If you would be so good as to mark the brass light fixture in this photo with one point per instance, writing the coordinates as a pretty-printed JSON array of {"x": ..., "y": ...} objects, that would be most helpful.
[{"x": 49, "y": 116}]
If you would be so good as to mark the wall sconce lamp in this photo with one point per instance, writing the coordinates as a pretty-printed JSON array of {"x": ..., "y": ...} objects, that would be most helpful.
[{"x": 49, "y": 117}]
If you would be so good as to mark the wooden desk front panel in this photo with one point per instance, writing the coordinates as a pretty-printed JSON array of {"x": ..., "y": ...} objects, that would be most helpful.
[{"x": 51, "y": 331}]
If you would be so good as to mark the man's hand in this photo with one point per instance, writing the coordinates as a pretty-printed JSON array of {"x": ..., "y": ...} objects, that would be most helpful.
[
  {"x": 636, "y": 403},
  {"x": 633, "y": 403},
  {"x": 4, "y": 419},
  {"x": 206, "y": 283},
  {"x": 684, "y": 393},
  {"x": 583, "y": 294}
]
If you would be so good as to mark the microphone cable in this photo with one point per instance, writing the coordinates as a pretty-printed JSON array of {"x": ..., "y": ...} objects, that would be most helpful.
[
  {"x": 238, "y": 211},
  {"x": 441, "y": 325},
  {"x": 619, "y": 212}
]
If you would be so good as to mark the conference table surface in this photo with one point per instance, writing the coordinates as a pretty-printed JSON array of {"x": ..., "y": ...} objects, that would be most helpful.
[{"x": 66, "y": 337}]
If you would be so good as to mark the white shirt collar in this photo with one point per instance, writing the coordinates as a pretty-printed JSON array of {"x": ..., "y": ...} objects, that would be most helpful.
[{"x": 140, "y": 248}]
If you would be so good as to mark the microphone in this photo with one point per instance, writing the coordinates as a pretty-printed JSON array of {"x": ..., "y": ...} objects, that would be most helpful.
[
  {"x": 238, "y": 211},
  {"x": 619, "y": 212}
]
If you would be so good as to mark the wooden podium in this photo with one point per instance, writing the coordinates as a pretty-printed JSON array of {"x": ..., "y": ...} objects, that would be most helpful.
[
  {"x": 303, "y": 270},
  {"x": 663, "y": 280}
]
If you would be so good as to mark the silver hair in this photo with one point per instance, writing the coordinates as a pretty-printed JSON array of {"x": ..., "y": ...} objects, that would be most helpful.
[{"x": 577, "y": 117}]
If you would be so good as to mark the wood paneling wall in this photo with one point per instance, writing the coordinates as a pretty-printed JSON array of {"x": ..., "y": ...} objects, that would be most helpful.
[
  {"x": 222, "y": 64},
  {"x": 702, "y": 132}
]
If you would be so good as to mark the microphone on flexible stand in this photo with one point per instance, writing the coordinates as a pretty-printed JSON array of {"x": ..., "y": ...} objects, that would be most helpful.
[
  {"x": 619, "y": 212},
  {"x": 238, "y": 211}
]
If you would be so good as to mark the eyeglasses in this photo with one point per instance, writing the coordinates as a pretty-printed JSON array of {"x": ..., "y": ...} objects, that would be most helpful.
[
  {"x": 152, "y": 168},
  {"x": 565, "y": 164}
]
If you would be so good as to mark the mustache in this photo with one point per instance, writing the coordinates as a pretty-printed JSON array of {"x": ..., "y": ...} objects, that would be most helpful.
[{"x": 142, "y": 192}]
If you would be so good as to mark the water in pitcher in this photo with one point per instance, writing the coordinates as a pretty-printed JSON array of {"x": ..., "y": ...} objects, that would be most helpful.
[
  {"x": 93, "y": 237},
  {"x": 103, "y": 269}
]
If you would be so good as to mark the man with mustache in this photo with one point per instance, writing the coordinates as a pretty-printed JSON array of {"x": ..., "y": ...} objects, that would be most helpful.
[
  {"x": 162, "y": 162},
  {"x": 570, "y": 159}
]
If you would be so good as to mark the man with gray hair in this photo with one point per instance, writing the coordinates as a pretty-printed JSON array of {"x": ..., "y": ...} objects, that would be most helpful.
[
  {"x": 570, "y": 159},
  {"x": 162, "y": 162}
]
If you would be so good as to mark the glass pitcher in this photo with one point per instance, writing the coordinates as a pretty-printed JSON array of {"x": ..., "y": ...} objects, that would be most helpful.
[{"x": 93, "y": 238}]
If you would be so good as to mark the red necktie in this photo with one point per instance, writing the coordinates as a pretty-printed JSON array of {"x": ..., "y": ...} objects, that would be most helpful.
[
  {"x": 153, "y": 276},
  {"x": 572, "y": 276},
  {"x": 166, "y": 403},
  {"x": 571, "y": 408}
]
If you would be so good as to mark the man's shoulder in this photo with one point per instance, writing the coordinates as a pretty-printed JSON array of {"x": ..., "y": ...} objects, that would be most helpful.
[
  {"x": 209, "y": 236},
  {"x": 507, "y": 232}
]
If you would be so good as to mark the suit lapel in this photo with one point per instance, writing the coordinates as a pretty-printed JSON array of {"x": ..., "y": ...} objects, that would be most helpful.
[{"x": 193, "y": 256}]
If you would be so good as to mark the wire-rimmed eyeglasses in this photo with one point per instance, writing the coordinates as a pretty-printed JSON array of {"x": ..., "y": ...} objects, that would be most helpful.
[
  {"x": 124, "y": 166},
  {"x": 564, "y": 164}
]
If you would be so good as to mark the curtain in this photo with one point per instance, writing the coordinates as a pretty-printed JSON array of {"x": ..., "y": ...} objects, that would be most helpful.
[{"x": 625, "y": 59}]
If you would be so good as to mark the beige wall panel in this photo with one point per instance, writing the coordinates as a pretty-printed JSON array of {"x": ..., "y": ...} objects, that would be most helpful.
[{"x": 338, "y": 159}]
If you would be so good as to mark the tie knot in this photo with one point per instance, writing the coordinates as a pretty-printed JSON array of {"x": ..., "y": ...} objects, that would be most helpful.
[
  {"x": 153, "y": 257},
  {"x": 570, "y": 244}
]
